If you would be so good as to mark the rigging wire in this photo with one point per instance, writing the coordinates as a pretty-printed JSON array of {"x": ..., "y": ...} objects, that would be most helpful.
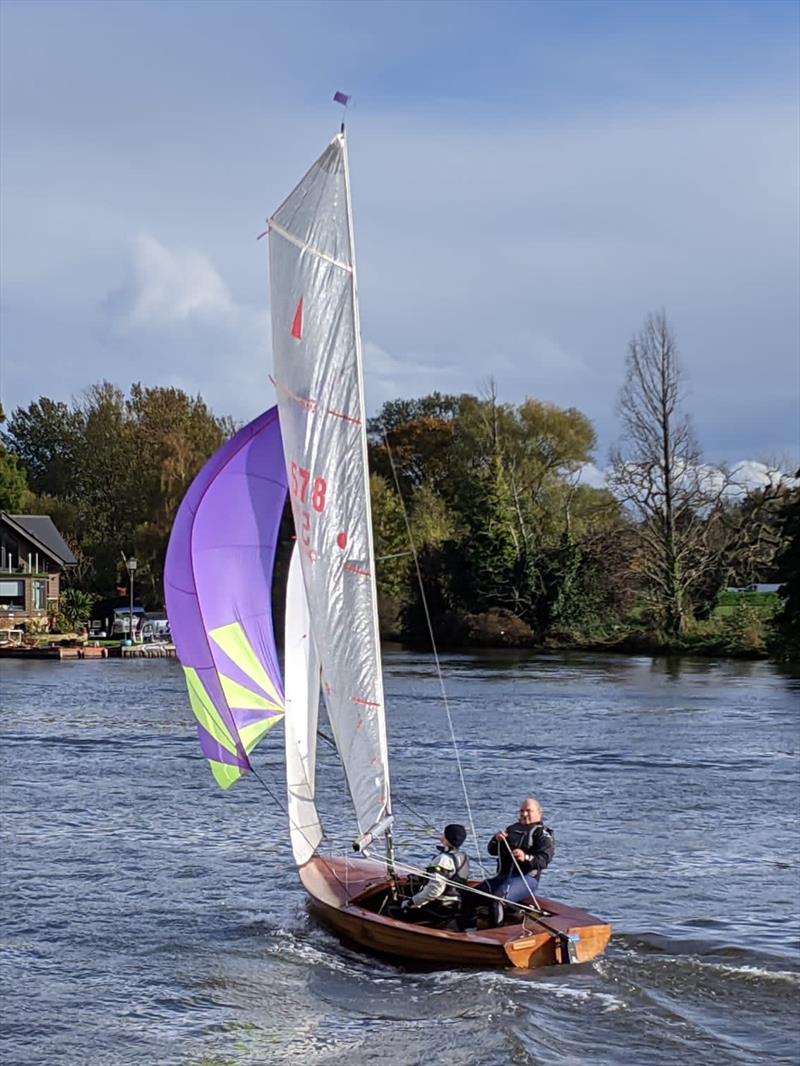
[
  {"x": 284, "y": 807},
  {"x": 424, "y": 599},
  {"x": 536, "y": 913},
  {"x": 423, "y": 822},
  {"x": 519, "y": 870}
]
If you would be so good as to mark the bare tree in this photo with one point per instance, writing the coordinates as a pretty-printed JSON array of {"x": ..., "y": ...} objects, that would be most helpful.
[
  {"x": 657, "y": 471},
  {"x": 697, "y": 524}
]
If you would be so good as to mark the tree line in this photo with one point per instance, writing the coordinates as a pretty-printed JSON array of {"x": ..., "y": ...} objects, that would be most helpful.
[
  {"x": 110, "y": 470},
  {"x": 484, "y": 531}
]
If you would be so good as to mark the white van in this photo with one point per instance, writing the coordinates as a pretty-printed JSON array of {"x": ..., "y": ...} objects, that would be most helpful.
[
  {"x": 121, "y": 625},
  {"x": 155, "y": 629}
]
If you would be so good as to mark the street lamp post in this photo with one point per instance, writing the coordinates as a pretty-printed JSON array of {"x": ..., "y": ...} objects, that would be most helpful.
[{"x": 131, "y": 564}]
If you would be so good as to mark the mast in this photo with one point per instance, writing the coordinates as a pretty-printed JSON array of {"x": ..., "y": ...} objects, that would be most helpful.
[
  {"x": 370, "y": 537},
  {"x": 318, "y": 376}
]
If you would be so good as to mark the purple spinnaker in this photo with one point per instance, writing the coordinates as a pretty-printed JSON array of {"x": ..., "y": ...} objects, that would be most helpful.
[{"x": 219, "y": 568}]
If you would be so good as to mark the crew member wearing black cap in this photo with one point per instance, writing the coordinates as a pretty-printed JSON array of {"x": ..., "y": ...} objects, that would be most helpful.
[{"x": 439, "y": 899}]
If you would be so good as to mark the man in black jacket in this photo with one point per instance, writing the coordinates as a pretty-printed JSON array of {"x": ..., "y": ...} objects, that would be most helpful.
[{"x": 523, "y": 851}]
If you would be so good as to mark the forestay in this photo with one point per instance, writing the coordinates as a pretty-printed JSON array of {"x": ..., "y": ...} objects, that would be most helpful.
[
  {"x": 316, "y": 347},
  {"x": 218, "y": 587}
]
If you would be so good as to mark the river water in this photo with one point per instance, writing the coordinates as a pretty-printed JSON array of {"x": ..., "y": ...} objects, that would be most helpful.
[{"x": 149, "y": 918}]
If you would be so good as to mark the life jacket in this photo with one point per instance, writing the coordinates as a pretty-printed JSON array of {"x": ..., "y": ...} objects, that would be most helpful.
[
  {"x": 537, "y": 839},
  {"x": 460, "y": 876},
  {"x": 461, "y": 861}
]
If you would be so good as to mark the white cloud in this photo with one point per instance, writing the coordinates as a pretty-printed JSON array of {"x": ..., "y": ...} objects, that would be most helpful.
[
  {"x": 748, "y": 475},
  {"x": 390, "y": 378},
  {"x": 174, "y": 284},
  {"x": 175, "y": 321},
  {"x": 592, "y": 476},
  {"x": 741, "y": 478}
]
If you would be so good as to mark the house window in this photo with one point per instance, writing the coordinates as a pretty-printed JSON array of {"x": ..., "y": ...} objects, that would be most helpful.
[
  {"x": 39, "y": 595},
  {"x": 9, "y": 552},
  {"x": 12, "y": 595}
]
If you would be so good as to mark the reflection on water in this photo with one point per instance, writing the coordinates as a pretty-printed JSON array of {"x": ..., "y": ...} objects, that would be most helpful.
[{"x": 152, "y": 918}]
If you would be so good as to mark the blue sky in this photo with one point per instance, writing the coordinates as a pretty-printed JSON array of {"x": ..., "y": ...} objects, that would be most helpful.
[{"x": 530, "y": 179}]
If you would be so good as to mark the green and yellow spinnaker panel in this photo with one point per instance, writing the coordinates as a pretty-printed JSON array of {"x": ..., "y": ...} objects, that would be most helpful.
[{"x": 218, "y": 586}]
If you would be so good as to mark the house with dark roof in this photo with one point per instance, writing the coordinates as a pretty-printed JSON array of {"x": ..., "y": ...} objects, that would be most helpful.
[{"x": 33, "y": 556}]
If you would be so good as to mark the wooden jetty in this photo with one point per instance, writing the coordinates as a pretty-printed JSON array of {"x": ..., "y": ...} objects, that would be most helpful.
[
  {"x": 146, "y": 651},
  {"x": 53, "y": 651},
  {"x": 88, "y": 651}
]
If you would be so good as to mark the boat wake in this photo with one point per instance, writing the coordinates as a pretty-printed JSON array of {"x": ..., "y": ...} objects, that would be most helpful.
[{"x": 700, "y": 948}]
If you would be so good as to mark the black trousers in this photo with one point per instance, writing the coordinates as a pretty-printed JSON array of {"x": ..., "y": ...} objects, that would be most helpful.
[{"x": 436, "y": 912}]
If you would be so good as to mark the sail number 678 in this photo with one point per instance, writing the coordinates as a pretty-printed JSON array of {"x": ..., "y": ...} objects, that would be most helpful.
[{"x": 303, "y": 487}]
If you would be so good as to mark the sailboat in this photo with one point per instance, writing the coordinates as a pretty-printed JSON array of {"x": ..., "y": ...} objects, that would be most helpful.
[{"x": 218, "y": 580}]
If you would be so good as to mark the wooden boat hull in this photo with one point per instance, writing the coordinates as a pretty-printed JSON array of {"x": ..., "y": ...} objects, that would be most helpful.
[{"x": 336, "y": 885}]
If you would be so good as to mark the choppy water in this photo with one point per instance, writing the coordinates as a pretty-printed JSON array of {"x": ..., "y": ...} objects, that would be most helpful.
[{"x": 150, "y": 918}]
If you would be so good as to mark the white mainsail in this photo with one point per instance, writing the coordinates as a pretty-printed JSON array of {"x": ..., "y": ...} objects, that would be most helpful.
[
  {"x": 318, "y": 376},
  {"x": 301, "y": 675}
]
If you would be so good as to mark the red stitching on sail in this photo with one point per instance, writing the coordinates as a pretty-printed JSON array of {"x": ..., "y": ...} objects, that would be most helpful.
[
  {"x": 345, "y": 418},
  {"x": 364, "y": 703},
  {"x": 355, "y": 570},
  {"x": 312, "y": 406}
]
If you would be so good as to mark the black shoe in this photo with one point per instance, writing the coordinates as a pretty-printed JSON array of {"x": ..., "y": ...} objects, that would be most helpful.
[{"x": 496, "y": 915}]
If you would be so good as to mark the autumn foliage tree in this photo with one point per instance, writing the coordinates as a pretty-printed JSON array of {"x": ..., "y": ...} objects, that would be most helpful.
[
  {"x": 500, "y": 480},
  {"x": 788, "y": 567},
  {"x": 477, "y": 502},
  {"x": 112, "y": 469},
  {"x": 13, "y": 483}
]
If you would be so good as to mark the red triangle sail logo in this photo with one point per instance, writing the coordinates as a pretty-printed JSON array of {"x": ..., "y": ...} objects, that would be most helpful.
[{"x": 297, "y": 325}]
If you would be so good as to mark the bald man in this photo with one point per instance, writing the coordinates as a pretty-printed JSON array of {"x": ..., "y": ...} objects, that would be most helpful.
[{"x": 524, "y": 850}]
